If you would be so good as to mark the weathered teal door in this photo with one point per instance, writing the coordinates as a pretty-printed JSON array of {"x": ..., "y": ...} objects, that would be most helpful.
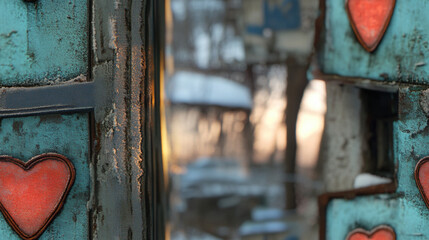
[
  {"x": 359, "y": 78},
  {"x": 46, "y": 43},
  {"x": 80, "y": 80}
]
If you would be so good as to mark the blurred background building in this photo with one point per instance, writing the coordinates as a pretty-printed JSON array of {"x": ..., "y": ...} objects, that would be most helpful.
[{"x": 244, "y": 123}]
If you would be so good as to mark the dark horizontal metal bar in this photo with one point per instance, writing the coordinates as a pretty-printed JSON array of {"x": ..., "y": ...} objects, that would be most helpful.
[{"x": 70, "y": 97}]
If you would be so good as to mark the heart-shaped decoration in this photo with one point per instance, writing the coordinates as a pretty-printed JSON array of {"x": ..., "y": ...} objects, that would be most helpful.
[
  {"x": 421, "y": 175},
  {"x": 369, "y": 20},
  {"x": 378, "y": 233},
  {"x": 33, "y": 192}
]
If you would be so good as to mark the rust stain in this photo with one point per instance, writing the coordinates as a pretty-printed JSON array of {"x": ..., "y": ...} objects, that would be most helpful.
[
  {"x": 17, "y": 127},
  {"x": 50, "y": 118}
]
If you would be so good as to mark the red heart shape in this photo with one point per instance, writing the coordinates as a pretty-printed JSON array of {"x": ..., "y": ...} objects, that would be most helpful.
[
  {"x": 369, "y": 20},
  {"x": 379, "y": 233},
  {"x": 421, "y": 175},
  {"x": 32, "y": 193}
]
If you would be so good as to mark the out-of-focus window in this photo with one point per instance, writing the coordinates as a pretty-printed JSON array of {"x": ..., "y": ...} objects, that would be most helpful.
[{"x": 225, "y": 97}]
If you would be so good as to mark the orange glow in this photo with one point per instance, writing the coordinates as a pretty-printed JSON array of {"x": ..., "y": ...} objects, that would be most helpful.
[
  {"x": 310, "y": 124},
  {"x": 165, "y": 146}
]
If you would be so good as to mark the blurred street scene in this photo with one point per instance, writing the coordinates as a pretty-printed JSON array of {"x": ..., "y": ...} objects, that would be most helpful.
[{"x": 244, "y": 122}]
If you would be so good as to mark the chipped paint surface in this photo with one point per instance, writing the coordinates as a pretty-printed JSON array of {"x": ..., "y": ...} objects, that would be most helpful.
[
  {"x": 68, "y": 135},
  {"x": 119, "y": 74},
  {"x": 121, "y": 203},
  {"x": 401, "y": 55},
  {"x": 405, "y": 210},
  {"x": 43, "y": 42}
]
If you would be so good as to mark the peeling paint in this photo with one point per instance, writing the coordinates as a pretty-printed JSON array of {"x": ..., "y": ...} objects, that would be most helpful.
[{"x": 119, "y": 119}]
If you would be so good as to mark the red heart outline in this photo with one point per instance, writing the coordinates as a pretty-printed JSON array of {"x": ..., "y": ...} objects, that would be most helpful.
[
  {"x": 27, "y": 166},
  {"x": 369, "y": 48},
  {"x": 372, "y": 232},
  {"x": 417, "y": 178}
]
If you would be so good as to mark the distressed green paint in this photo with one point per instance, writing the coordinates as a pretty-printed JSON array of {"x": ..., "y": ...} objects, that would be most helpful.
[
  {"x": 68, "y": 135},
  {"x": 401, "y": 55},
  {"x": 44, "y": 42},
  {"x": 404, "y": 210},
  {"x": 369, "y": 212}
]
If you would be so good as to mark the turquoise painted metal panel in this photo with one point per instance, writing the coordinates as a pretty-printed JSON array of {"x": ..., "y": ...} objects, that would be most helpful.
[
  {"x": 369, "y": 212},
  {"x": 68, "y": 135},
  {"x": 43, "y": 42},
  {"x": 401, "y": 55},
  {"x": 404, "y": 210}
]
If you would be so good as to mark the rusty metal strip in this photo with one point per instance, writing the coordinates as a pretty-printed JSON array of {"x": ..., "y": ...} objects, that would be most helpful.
[
  {"x": 417, "y": 178},
  {"x": 319, "y": 27},
  {"x": 22, "y": 101},
  {"x": 325, "y": 198},
  {"x": 365, "y": 83}
]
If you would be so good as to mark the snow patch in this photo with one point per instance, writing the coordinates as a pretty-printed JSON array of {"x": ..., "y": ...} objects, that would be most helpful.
[
  {"x": 195, "y": 88},
  {"x": 257, "y": 228},
  {"x": 367, "y": 180}
]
